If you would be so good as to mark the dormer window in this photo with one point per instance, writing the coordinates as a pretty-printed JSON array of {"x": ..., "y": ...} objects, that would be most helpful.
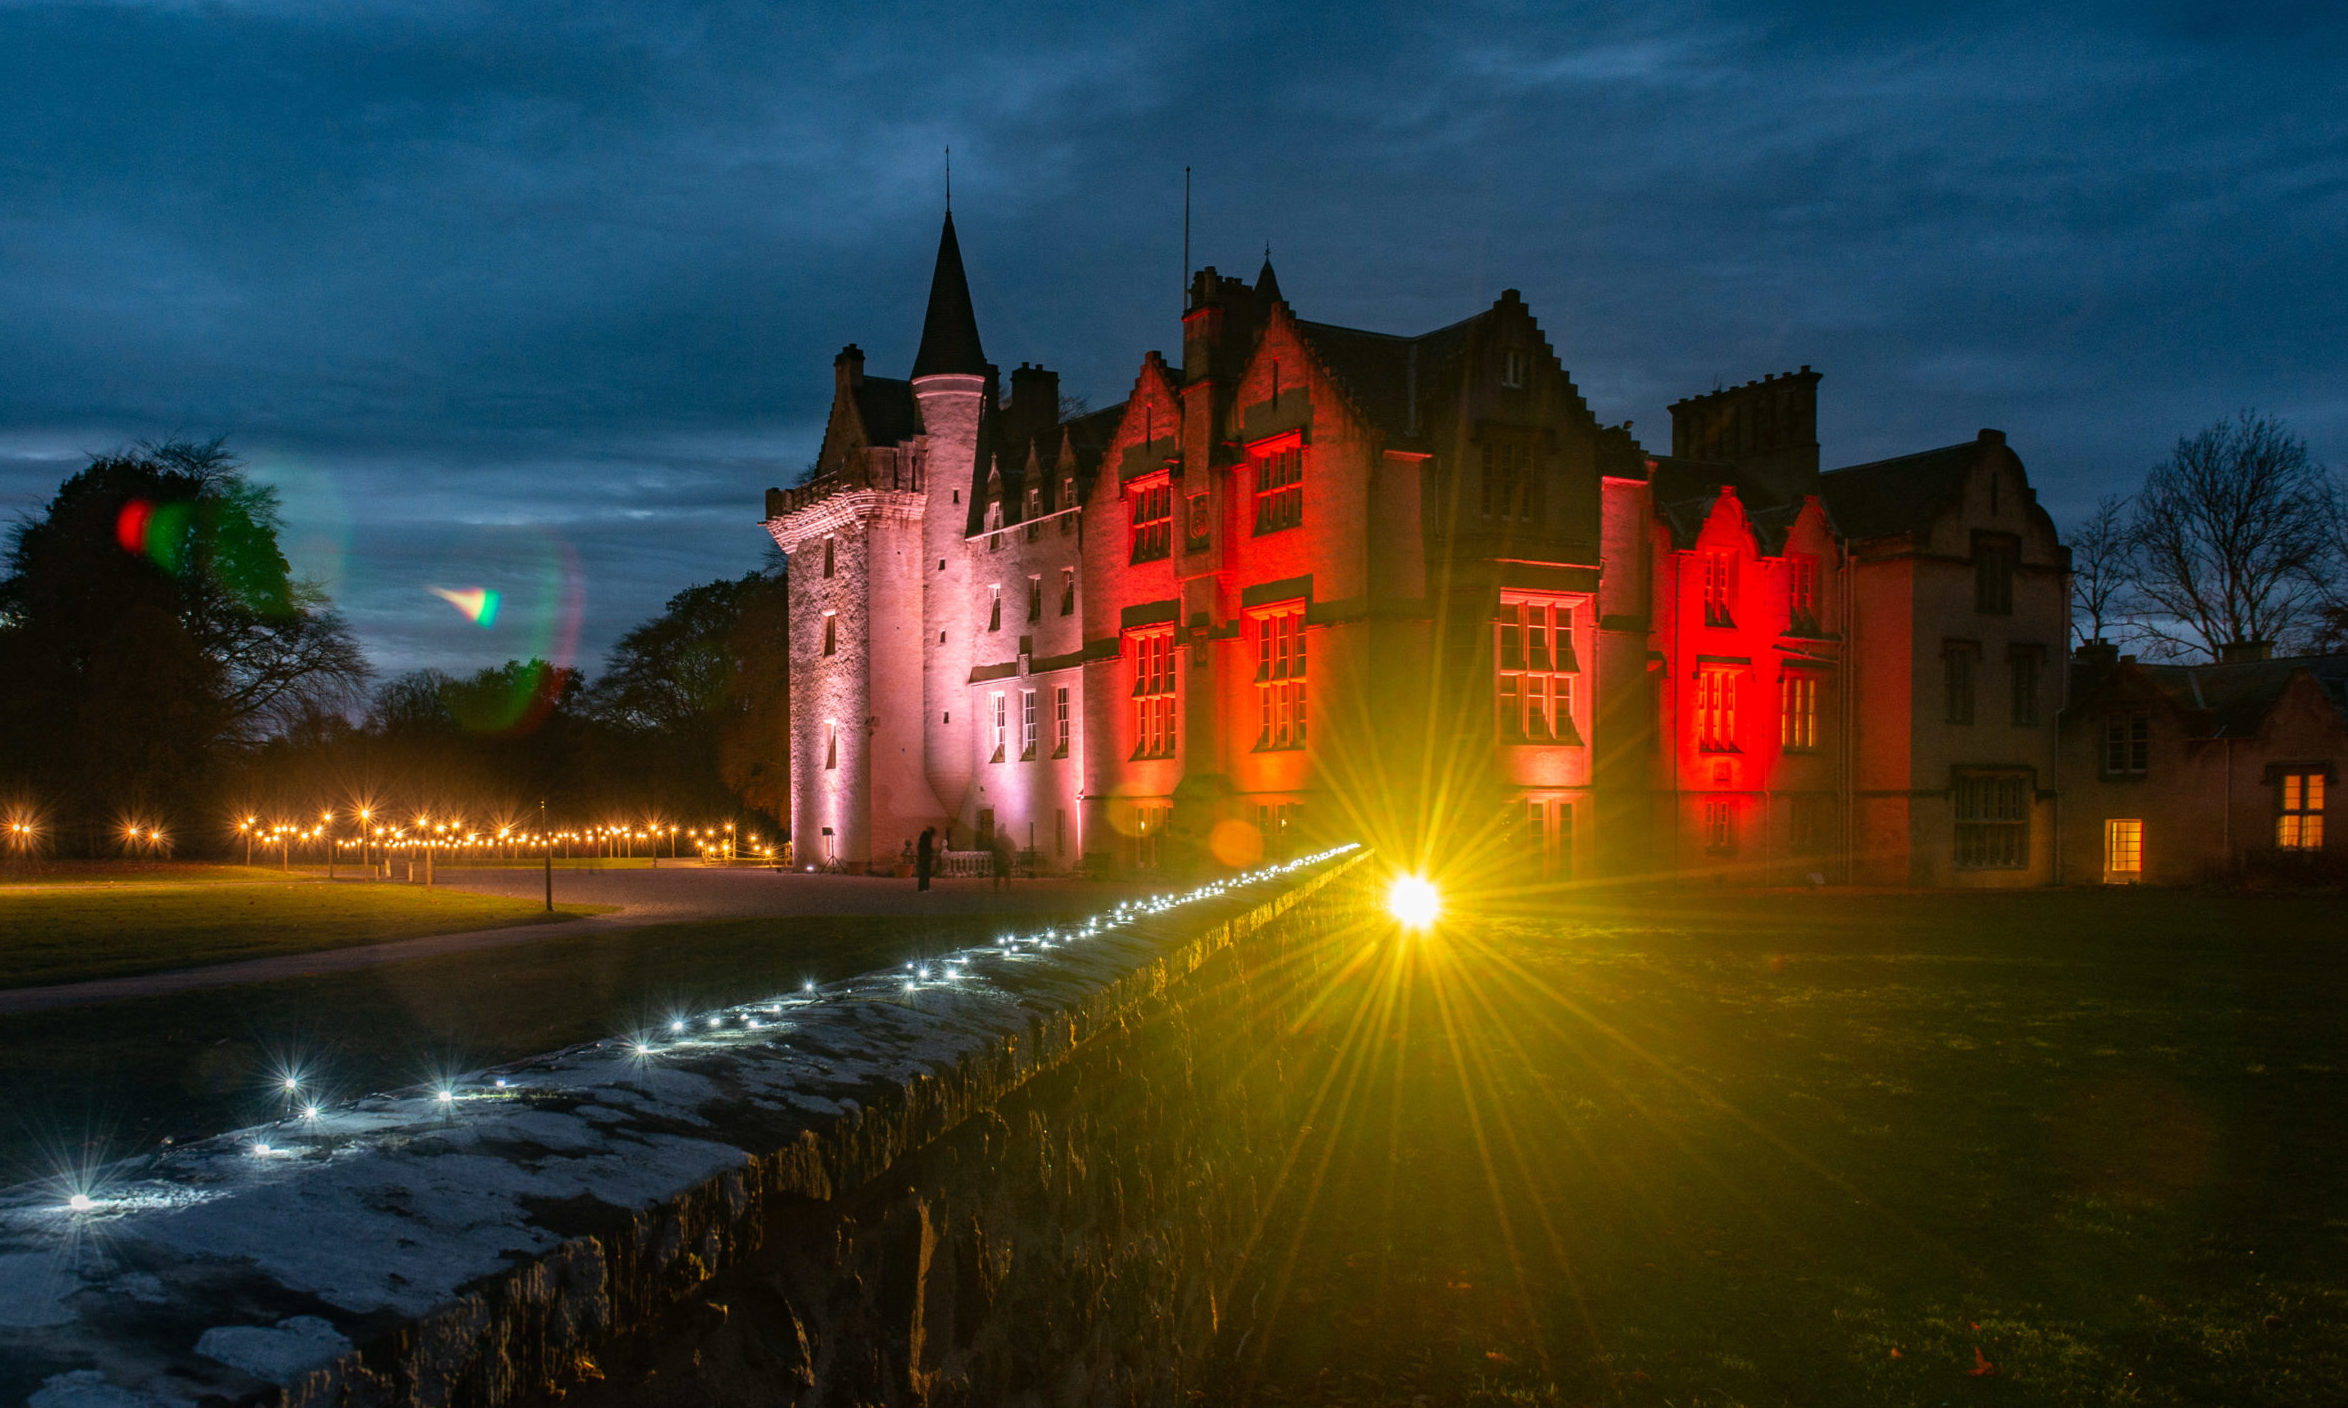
[{"x": 1512, "y": 367}]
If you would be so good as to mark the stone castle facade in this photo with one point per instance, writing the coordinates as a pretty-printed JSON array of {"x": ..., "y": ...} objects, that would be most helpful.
[{"x": 1315, "y": 582}]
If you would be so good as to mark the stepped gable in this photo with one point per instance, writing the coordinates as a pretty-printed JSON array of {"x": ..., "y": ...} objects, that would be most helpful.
[{"x": 949, "y": 334}]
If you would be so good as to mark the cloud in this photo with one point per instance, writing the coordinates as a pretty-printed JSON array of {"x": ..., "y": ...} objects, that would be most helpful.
[{"x": 585, "y": 265}]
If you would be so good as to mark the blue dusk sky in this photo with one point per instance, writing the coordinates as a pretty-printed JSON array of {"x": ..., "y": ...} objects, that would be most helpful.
[{"x": 542, "y": 296}]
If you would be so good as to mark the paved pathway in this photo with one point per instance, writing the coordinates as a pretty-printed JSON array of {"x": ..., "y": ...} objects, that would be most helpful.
[{"x": 666, "y": 896}]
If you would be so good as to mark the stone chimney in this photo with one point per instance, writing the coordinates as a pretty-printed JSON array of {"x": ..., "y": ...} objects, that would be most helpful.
[
  {"x": 1766, "y": 428},
  {"x": 1035, "y": 405},
  {"x": 848, "y": 368},
  {"x": 2245, "y": 652}
]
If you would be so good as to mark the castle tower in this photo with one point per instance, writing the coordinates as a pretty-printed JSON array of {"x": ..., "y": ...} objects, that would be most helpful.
[{"x": 950, "y": 381}]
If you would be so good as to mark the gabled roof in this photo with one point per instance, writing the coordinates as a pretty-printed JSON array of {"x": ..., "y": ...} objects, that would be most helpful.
[
  {"x": 886, "y": 407},
  {"x": 1903, "y": 495},
  {"x": 2233, "y": 700},
  {"x": 949, "y": 334},
  {"x": 1386, "y": 375},
  {"x": 1086, "y": 437}
]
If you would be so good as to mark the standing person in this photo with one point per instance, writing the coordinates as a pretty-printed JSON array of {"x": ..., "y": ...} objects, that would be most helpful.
[
  {"x": 999, "y": 847},
  {"x": 925, "y": 857}
]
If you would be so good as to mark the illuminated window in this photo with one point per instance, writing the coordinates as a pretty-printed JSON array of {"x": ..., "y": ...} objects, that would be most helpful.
[
  {"x": 994, "y": 524},
  {"x": 827, "y": 556},
  {"x": 1716, "y": 709},
  {"x": 1956, "y": 672},
  {"x": 1511, "y": 487},
  {"x": 2123, "y": 849},
  {"x": 1534, "y": 668},
  {"x": 1035, "y": 598},
  {"x": 831, "y": 634},
  {"x": 1153, "y": 521},
  {"x": 994, "y": 607},
  {"x": 1027, "y": 726},
  {"x": 2022, "y": 664},
  {"x": 1279, "y": 489},
  {"x": 2127, "y": 744},
  {"x": 1035, "y": 511},
  {"x": 1993, "y": 820},
  {"x": 1994, "y": 559},
  {"x": 1280, "y": 679},
  {"x": 2299, "y": 817},
  {"x": 1068, "y": 492},
  {"x": 1799, "y": 729},
  {"x": 1002, "y": 720},
  {"x": 1061, "y": 723},
  {"x": 1720, "y": 589},
  {"x": 1067, "y": 591},
  {"x": 1153, "y": 694},
  {"x": 1801, "y": 577}
]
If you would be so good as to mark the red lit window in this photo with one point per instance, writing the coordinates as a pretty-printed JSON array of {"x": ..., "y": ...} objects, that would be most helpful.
[
  {"x": 1280, "y": 488},
  {"x": 1799, "y": 697},
  {"x": 1716, "y": 710},
  {"x": 1153, "y": 694},
  {"x": 2299, "y": 821},
  {"x": 1280, "y": 670},
  {"x": 1534, "y": 669},
  {"x": 1153, "y": 521},
  {"x": 1720, "y": 589},
  {"x": 1801, "y": 575}
]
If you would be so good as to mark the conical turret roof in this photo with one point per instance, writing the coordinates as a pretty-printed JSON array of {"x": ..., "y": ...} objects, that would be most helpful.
[{"x": 949, "y": 335}]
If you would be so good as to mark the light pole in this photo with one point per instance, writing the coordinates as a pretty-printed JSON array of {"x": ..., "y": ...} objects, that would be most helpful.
[
  {"x": 549, "y": 854},
  {"x": 326, "y": 825},
  {"x": 247, "y": 831}
]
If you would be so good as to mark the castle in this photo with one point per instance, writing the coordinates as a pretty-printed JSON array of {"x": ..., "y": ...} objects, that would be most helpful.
[{"x": 1318, "y": 582}]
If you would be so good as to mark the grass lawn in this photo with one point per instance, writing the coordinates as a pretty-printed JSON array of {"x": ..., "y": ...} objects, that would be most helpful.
[
  {"x": 87, "y": 1085},
  {"x": 2066, "y": 1148},
  {"x": 126, "y": 872},
  {"x": 68, "y": 932}
]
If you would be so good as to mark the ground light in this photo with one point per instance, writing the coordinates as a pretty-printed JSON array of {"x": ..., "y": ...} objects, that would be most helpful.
[{"x": 1413, "y": 901}]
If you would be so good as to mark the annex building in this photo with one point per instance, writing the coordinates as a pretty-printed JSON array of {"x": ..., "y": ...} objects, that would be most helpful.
[{"x": 1313, "y": 582}]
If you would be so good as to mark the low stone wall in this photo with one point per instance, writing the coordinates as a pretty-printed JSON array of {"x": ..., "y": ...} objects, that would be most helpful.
[{"x": 842, "y": 1196}]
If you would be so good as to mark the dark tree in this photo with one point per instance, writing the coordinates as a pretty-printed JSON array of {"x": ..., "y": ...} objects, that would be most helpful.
[
  {"x": 2231, "y": 538},
  {"x": 149, "y": 625},
  {"x": 2103, "y": 571}
]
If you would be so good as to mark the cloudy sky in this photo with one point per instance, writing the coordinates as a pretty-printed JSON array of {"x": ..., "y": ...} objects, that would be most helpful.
[{"x": 545, "y": 295}]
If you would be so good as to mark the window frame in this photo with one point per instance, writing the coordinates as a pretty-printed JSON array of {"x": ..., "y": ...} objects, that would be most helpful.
[
  {"x": 1149, "y": 503},
  {"x": 2301, "y": 797},
  {"x": 1156, "y": 716},
  {"x": 1960, "y": 683},
  {"x": 1521, "y": 674},
  {"x": 2123, "y": 839},
  {"x": 1798, "y": 710},
  {"x": 1283, "y": 661},
  {"x": 1997, "y": 560},
  {"x": 1998, "y": 837},
  {"x": 2127, "y": 736},
  {"x": 1276, "y": 472},
  {"x": 1714, "y": 717}
]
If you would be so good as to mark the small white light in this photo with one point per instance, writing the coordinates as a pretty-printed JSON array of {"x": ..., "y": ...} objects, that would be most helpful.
[
  {"x": 751, "y": 1022},
  {"x": 81, "y": 1202},
  {"x": 291, "y": 1082},
  {"x": 716, "y": 1022},
  {"x": 446, "y": 1096},
  {"x": 501, "y": 1082},
  {"x": 909, "y": 987},
  {"x": 261, "y": 1149},
  {"x": 808, "y": 986},
  {"x": 642, "y": 1049},
  {"x": 677, "y": 1026},
  {"x": 309, "y": 1112},
  {"x": 924, "y": 973}
]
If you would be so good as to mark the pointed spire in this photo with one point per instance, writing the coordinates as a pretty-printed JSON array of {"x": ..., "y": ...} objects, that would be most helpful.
[
  {"x": 1267, "y": 284},
  {"x": 949, "y": 335}
]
